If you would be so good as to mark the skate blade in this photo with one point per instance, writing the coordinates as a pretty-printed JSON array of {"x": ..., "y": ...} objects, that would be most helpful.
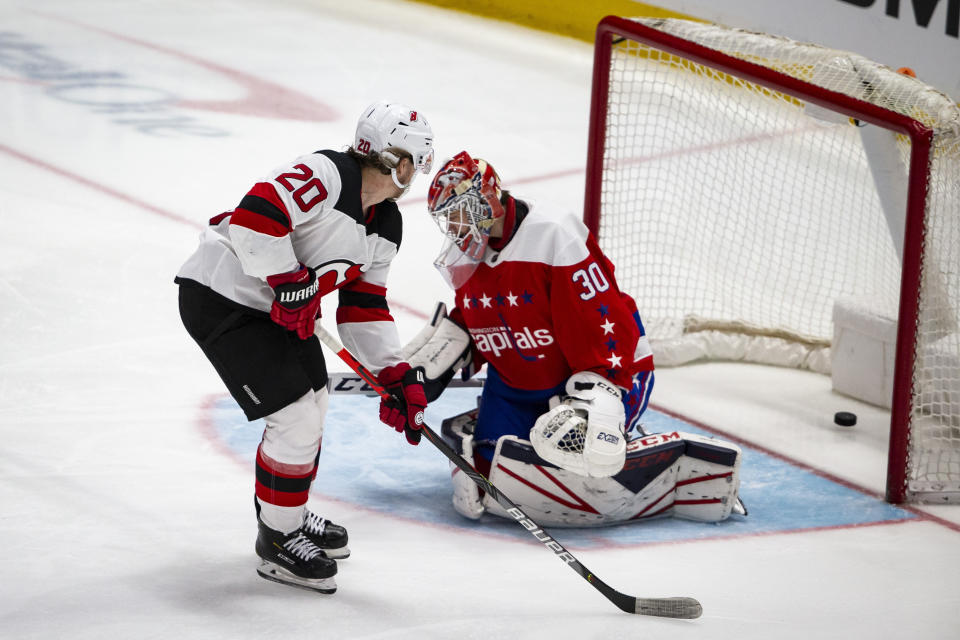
[
  {"x": 275, "y": 573},
  {"x": 337, "y": 554}
]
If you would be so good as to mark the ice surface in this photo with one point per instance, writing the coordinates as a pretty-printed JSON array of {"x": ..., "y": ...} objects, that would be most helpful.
[{"x": 126, "y": 509}]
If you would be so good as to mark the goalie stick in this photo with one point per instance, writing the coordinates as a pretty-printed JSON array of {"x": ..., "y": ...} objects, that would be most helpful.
[{"x": 678, "y": 607}]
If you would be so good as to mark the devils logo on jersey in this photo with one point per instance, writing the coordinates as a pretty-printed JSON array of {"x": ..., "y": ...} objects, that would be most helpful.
[{"x": 336, "y": 273}]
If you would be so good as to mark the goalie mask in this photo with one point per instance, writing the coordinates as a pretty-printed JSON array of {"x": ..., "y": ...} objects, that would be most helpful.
[
  {"x": 385, "y": 127},
  {"x": 464, "y": 200}
]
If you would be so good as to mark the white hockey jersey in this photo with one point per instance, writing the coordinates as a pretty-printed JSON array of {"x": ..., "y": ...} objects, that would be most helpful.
[{"x": 309, "y": 211}]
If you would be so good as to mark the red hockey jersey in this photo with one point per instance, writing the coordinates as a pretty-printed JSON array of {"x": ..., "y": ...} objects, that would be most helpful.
[{"x": 548, "y": 306}]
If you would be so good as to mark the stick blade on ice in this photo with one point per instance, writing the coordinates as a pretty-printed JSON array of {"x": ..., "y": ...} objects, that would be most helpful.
[{"x": 687, "y": 608}]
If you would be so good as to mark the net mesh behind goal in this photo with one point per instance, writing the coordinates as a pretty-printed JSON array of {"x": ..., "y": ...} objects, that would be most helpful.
[{"x": 739, "y": 211}]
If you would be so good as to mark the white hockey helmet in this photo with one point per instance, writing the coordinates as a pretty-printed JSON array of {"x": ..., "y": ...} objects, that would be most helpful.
[{"x": 390, "y": 125}]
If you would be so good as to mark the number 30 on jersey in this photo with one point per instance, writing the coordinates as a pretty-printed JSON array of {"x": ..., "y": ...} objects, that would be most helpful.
[{"x": 592, "y": 280}]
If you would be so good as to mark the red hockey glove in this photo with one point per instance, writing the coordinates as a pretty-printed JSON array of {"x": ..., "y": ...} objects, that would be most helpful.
[
  {"x": 296, "y": 304},
  {"x": 404, "y": 409}
]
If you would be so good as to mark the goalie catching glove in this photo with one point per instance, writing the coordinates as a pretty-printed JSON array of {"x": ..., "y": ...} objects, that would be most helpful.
[{"x": 584, "y": 432}]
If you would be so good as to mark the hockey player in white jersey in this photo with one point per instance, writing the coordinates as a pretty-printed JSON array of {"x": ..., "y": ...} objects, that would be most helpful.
[
  {"x": 250, "y": 295},
  {"x": 569, "y": 370}
]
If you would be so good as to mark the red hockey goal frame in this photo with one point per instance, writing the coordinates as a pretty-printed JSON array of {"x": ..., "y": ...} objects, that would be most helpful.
[{"x": 921, "y": 136}]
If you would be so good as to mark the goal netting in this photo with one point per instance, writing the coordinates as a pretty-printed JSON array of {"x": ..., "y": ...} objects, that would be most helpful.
[{"x": 744, "y": 183}]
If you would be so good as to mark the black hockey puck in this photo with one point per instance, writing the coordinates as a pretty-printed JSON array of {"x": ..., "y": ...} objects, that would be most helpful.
[{"x": 845, "y": 418}]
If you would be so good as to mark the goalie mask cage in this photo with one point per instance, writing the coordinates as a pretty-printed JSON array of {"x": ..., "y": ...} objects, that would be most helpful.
[{"x": 727, "y": 181}]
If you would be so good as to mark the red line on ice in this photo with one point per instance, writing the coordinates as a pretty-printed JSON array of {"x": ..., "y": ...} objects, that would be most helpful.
[{"x": 96, "y": 186}]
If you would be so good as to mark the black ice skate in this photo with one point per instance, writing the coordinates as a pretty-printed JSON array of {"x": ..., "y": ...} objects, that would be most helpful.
[
  {"x": 330, "y": 537},
  {"x": 292, "y": 558}
]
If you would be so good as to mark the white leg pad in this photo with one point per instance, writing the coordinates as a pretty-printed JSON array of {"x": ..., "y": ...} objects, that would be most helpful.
[
  {"x": 672, "y": 474},
  {"x": 556, "y": 497},
  {"x": 466, "y": 494},
  {"x": 708, "y": 480}
]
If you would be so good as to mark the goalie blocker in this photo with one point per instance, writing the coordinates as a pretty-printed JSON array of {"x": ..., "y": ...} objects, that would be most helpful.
[
  {"x": 441, "y": 348},
  {"x": 668, "y": 474}
]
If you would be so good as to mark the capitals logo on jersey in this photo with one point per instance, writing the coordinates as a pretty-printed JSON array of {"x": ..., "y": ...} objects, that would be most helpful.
[{"x": 495, "y": 340}]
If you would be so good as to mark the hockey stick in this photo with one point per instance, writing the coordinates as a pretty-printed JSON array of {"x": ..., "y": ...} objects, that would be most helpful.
[
  {"x": 351, "y": 383},
  {"x": 663, "y": 607}
]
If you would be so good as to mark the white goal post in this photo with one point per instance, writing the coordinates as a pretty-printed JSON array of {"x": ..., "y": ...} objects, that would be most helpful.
[{"x": 746, "y": 185}]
